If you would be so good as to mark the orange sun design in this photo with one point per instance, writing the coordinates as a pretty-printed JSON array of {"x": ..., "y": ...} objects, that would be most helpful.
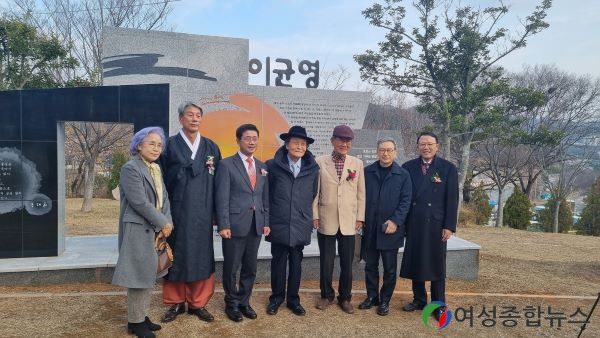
[{"x": 222, "y": 117}]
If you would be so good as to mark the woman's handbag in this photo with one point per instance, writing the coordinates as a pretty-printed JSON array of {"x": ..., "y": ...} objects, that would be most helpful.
[{"x": 165, "y": 254}]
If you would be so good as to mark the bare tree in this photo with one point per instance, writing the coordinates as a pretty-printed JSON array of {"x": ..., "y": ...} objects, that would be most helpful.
[
  {"x": 79, "y": 23},
  {"x": 498, "y": 159},
  {"x": 588, "y": 176},
  {"x": 92, "y": 140},
  {"x": 390, "y": 111},
  {"x": 561, "y": 177},
  {"x": 568, "y": 117},
  {"x": 499, "y": 152},
  {"x": 334, "y": 79}
]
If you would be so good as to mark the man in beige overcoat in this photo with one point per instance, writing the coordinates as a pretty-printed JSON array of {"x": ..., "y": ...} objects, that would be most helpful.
[{"x": 338, "y": 213}]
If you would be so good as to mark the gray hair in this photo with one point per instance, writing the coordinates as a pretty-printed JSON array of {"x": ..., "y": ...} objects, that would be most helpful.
[
  {"x": 386, "y": 139},
  {"x": 185, "y": 104},
  {"x": 139, "y": 137}
]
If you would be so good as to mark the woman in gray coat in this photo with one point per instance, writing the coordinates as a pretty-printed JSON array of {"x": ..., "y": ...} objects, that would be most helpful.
[{"x": 144, "y": 214}]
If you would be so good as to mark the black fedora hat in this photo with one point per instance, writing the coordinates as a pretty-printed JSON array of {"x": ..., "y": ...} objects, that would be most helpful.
[{"x": 296, "y": 131}]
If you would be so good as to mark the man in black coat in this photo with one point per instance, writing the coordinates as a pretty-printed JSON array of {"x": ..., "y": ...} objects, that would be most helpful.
[
  {"x": 293, "y": 185},
  {"x": 388, "y": 191},
  {"x": 431, "y": 221}
]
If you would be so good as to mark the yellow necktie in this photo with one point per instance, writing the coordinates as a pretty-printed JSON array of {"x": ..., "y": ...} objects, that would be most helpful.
[{"x": 157, "y": 178}]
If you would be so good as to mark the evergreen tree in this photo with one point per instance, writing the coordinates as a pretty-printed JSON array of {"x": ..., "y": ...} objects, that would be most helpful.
[
  {"x": 118, "y": 160},
  {"x": 447, "y": 55},
  {"x": 480, "y": 204},
  {"x": 29, "y": 59},
  {"x": 565, "y": 217},
  {"x": 517, "y": 211},
  {"x": 589, "y": 224}
]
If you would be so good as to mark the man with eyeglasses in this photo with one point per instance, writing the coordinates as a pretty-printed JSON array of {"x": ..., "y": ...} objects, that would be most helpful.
[
  {"x": 431, "y": 222},
  {"x": 388, "y": 191},
  {"x": 338, "y": 214},
  {"x": 242, "y": 202},
  {"x": 188, "y": 163}
]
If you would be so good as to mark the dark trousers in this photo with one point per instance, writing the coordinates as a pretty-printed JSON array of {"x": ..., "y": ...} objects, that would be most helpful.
[
  {"x": 389, "y": 258},
  {"x": 438, "y": 291},
  {"x": 326, "y": 259},
  {"x": 284, "y": 255},
  {"x": 239, "y": 254}
]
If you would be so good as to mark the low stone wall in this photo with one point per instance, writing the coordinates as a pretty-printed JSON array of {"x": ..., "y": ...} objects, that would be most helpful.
[{"x": 90, "y": 259}]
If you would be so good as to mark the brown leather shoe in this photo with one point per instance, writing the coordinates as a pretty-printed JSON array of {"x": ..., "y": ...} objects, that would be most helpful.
[
  {"x": 173, "y": 312},
  {"x": 323, "y": 303},
  {"x": 347, "y": 307}
]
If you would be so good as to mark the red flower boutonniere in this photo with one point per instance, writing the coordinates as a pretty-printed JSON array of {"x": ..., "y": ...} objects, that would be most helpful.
[
  {"x": 436, "y": 178},
  {"x": 263, "y": 172},
  {"x": 210, "y": 164},
  {"x": 351, "y": 175}
]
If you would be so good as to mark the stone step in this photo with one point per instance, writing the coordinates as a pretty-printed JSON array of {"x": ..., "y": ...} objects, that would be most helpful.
[{"x": 92, "y": 259}]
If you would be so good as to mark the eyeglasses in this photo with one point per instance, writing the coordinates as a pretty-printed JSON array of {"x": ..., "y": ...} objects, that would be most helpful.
[
  {"x": 429, "y": 145},
  {"x": 154, "y": 145},
  {"x": 386, "y": 151},
  {"x": 248, "y": 139}
]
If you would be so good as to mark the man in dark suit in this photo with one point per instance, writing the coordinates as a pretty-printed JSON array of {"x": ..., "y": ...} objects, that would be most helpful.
[
  {"x": 242, "y": 203},
  {"x": 430, "y": 223},
  {"x": 388, "y": 191}
]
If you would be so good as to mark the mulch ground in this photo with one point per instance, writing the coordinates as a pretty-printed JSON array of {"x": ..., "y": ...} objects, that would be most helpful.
[
  {"x": 519, "y": 270},
  {"x": 89, "y": 312}
]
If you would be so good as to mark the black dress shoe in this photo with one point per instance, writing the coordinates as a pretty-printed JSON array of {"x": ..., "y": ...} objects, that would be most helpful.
[
  {"x": 383, "y": 309},
  {"x": 233, "y": 314},
  {"x": 412, "y": 307},
  {"x": 173, "y": 312},
  {"x": 273, "y": 307},
  {"x": 141, "y": 330},
  {"x": 298, "y": 310},
  {"x": 247, "y": 311},
  {"x": 151, "y": 325},
  {"x": 202, "y": 313},
  {"x": 368, "y": 303}
]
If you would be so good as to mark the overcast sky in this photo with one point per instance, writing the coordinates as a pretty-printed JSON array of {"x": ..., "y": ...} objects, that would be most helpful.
[{"x": 332, "y": 31}]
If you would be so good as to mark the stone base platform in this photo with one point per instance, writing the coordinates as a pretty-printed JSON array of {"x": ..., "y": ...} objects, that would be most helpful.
[{"x": 92, "y": 259}]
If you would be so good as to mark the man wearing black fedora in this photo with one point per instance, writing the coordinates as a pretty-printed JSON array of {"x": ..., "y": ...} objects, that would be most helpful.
[{"x": 293, "y": 174}]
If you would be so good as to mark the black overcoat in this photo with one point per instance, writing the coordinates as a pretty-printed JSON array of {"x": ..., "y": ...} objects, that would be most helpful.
[
  {"x": 291, "y": 199},
  {"x": 388, "y": 198},
  {"x": 191, "y": 192},
  {"x": 434, "y": 207}
]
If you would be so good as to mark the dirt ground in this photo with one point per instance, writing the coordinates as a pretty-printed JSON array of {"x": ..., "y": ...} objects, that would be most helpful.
[
  {"x": 86, "y": 313},
  {"x": 102, "y": 220},
  {"x": 557, "y": 273}
]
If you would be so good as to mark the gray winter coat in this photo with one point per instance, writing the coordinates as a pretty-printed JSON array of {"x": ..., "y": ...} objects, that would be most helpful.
[{"x": 139, "y": 220}]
